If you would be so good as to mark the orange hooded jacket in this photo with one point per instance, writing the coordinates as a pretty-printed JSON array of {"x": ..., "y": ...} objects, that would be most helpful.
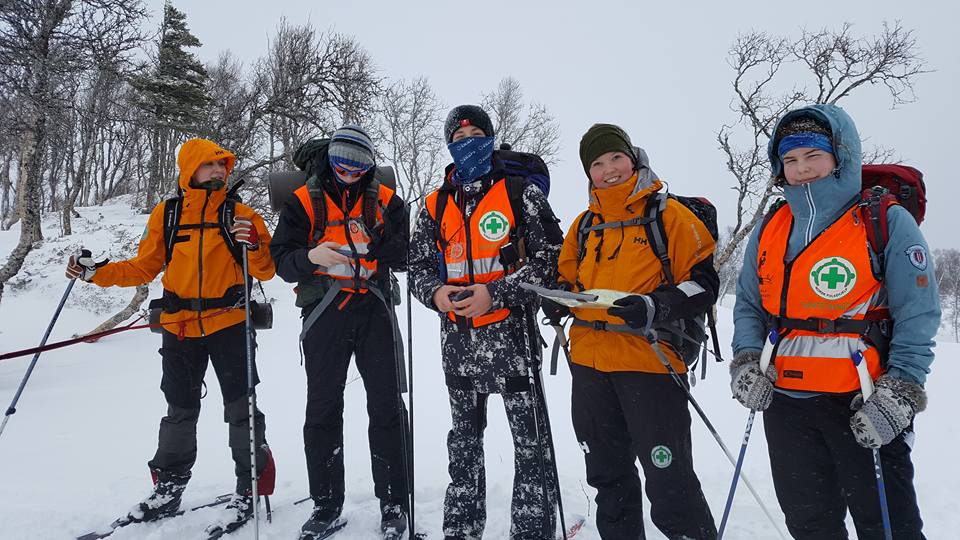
[
  {"x": 626, "y": 262},
  {"x": 202, "y": 266}
]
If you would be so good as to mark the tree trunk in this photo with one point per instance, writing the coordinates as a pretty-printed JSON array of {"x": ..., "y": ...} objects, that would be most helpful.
[
  {"x": 139, "y": 296},
  {"x": 5, "y": 187}
]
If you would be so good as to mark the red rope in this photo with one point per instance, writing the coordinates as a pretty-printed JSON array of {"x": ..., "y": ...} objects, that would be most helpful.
[{"x": 90, "y": 338}]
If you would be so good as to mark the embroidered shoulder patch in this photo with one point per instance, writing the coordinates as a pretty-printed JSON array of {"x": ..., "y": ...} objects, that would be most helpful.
[{"x": 918, "y": 256}]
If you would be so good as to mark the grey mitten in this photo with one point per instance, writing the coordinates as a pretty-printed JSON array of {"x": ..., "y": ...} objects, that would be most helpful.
[
  {"x": 887, "y": 412},
  {"x": 752, "y": 388}
]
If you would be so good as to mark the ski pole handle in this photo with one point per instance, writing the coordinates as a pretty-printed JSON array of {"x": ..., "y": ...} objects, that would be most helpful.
[
  {"x": 767, "y": 352},
  {"x": 866, "y": 381}
]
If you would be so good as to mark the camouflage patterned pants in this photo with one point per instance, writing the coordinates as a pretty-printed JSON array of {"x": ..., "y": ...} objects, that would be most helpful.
[{"x": 464, "y": 511}]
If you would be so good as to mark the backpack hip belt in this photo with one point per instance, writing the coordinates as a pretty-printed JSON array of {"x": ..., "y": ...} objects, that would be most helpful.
[{"x": 171, "y": 303}]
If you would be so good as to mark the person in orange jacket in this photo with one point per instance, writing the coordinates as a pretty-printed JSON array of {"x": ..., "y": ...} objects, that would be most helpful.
[
  {"x": 625, "y": 404},
  {"x": 203, "y": 320}
]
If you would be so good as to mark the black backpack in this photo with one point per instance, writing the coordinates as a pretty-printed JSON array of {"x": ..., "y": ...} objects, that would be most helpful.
[{"x": 687, "y": 336}]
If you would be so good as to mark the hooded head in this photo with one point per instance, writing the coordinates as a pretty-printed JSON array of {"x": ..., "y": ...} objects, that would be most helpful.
[
  {"x": 194, "y": 153},
  {"x": 820, "y": 201}
]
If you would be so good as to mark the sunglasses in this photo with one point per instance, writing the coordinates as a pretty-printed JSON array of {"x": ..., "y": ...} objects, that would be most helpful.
[{"x": 350, "y": 174}]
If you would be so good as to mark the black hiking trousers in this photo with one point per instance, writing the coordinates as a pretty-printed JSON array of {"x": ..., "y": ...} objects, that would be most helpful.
[
  {"x": 184, "y": 366},
  {"x": 620, "y": 417},
  {"x": 363, "y": 329},
  {"x": 819, "y": 472}
]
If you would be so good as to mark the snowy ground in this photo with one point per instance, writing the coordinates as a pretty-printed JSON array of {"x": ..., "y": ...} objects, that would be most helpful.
[{"x": 74, "y": 455}]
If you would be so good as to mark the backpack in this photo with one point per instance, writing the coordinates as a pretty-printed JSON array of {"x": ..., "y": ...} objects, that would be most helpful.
[
  {"x": 688, "y": 335},
  {"x": 882, "y": 186},
  {"x": 171, "y": 224}
]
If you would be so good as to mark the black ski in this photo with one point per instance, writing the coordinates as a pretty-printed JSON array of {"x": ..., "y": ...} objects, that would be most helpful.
[
  {"x": 95, "y": 535},
  {"x": 331, "y": 530}
]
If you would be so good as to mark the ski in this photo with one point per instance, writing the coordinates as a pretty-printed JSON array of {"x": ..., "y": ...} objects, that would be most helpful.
[
  {"x": 331, "y": 530},
  {"x": 96, "y": 535},
  {"x": 573, "y": 529}
]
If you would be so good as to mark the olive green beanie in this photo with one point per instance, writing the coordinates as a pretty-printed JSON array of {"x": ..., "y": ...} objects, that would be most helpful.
[{"x": 603, "y": 138}]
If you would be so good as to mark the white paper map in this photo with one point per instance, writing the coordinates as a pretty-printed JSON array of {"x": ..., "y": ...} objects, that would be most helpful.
[{"x": 591, "y": 298}]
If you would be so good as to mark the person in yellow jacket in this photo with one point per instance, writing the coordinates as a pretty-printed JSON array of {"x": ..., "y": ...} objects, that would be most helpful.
[
  {"x": 203, "y": 319},
  {"x": 625, "y": 405}
]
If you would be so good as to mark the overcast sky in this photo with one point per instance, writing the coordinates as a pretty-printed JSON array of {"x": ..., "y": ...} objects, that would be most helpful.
[{"x": 658, "y": 69}]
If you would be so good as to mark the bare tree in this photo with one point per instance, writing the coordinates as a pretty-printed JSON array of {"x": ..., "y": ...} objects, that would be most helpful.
[
  {"x": 312, "y": 83},
  {"x": 947, "y": 273},
  {"x": 525, "y": 127},
  {"x": 839, "y": 65},
  {"x": 41, "y": 43},
  {"x": 412, "y": 130}
]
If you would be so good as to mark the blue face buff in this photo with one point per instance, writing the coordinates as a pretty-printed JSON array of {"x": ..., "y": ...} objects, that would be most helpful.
[
  {"x": 473, "y": 157},
  {"x": 804, "y": 139}
]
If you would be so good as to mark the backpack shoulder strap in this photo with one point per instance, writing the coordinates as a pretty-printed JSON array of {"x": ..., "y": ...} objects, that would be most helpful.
[
  {"x": 656, "y": 235},
  {"x": 515, "y": 187},
  {"x": 443, "y": 196},
  {"x": 371, "y": 202},
  {"x": 319, "y": 201},
  {"x": 171, "y": 224},
  {"x": 583, "y": 231},
  {"x": 875, "y": 206},
  {"x": 228, "y": 210}
]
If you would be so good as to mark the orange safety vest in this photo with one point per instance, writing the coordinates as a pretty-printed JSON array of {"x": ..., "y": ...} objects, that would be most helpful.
[
  {"x": 821, "y": 301},
  {"x": 349, "y": 231},
  {"x": 472, "y": 254}
]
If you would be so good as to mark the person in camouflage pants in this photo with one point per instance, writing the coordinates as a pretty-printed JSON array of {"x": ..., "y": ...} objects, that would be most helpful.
[{"x": 487, "y": 340}]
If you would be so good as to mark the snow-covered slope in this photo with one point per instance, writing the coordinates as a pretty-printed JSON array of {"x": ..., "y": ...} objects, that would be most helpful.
[{"x": 74, "y": 455}]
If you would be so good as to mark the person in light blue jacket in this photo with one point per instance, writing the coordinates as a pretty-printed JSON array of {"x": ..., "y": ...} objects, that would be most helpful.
[{"x": 812, "y": 300}]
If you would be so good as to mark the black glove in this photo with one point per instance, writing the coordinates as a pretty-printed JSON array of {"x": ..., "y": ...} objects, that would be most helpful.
[
  {"x": 636, "y": 310},
  {"x": 554, "y": 311}
]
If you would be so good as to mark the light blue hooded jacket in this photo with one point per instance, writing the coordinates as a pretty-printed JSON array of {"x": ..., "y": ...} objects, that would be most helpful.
[{"x": 910, "y": 287}]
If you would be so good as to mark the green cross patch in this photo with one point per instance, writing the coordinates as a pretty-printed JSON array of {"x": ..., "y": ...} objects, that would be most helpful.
[
  {"x": 833, "y": 277},
  {"x": 661, "y": 456},
  {"x": 494, "y": 226}
]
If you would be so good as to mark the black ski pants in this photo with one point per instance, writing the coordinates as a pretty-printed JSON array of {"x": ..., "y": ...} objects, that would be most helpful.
[
  {"x": 619, "y": 417},
  {"x": 184, "y": 366},
  {"x": 819, "y": 471},
  {"x": 362, "y": 329}
]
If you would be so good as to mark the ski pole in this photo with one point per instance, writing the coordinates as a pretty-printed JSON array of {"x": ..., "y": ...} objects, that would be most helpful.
[
  {"x": 765, "y": 355},
  {"x": 535, "y": 389},
  {"x": 652, "y": 338},
  {"x": 736, "y": 473},
  {"x": 866, "y": 386},
  {"x": 406, "y": 436},
  {"x": 251, "y": 392},
  {"x": 56, "y": 315}
]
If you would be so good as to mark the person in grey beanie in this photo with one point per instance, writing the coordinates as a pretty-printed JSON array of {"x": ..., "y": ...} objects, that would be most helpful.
[{"x": 338, "y": 238}]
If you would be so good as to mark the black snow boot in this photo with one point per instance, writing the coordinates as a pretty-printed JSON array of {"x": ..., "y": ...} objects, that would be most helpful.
[
  {"x": 164, "y": 501},
  {"x": 393, "y": 521},
  {"x": 323, "y": 523},
  {"x": 233, "y": 516}
]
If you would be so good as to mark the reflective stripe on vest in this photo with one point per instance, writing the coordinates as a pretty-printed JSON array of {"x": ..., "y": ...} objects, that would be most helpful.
[
  {"x": 490, "y": 227},
  {"x": 337, "y": 229},
  {"x": 830, "y": 278}
]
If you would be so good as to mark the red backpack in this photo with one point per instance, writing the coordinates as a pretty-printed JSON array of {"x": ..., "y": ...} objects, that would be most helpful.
[{"x": 884, "y": 185}]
